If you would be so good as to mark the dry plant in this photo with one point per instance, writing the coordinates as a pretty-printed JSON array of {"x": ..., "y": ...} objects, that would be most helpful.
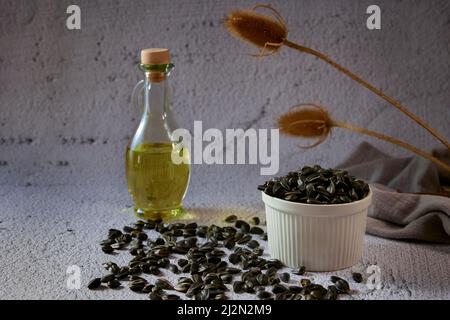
[
  {"x": 314, "y": 122},
  {"x": 270, "y": 34}
]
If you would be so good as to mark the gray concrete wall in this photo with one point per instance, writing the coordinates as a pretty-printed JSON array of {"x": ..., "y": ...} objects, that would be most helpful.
[{"x": 65, "y": 114}]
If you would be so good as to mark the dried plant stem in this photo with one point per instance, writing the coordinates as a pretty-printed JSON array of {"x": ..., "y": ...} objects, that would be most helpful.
[
  {"x": 378, "y": 92},
  {"x": 395, "y": 141}
]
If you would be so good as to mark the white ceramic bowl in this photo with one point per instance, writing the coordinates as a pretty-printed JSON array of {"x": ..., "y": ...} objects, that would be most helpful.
[{"x": 319, "y": 237}]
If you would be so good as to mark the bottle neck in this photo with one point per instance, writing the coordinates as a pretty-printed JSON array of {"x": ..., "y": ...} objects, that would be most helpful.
[
  {"x": 156, "y": 89},
  {"x": 156, "y": 94}
]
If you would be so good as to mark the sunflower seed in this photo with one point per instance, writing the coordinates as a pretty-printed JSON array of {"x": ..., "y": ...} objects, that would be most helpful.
[
  {"x": 332, "y": 293},
  {"x": 232, "y": 270},
  {"x": 137, "y": 286},
  {"x": 246, "y": 238},
  {"x": 285, "y": 277},
  {"x": 342, "y": 286},
  {"x": 242, "y": 225},
  {"x": 174, "y": 269},
  {"x": 107, "y": 249},
  {"x": 262, "y": 279},
  {"x": 256, "y": 230},
  {"x": 154, "y": 296},
  {"x": 114, "y": 233},
  {"x": 163, "y": 284},
  {"x": 182, "y": 287},
  {"x": 147, "y": 288},
  {"x": 238, "y": 286},
  {"x": 253, "y": 244},
  {"x": 279, "y": 288},
  {"x": 114, "y": 283},
  {"x": 335, "y": 279},
  {"x": 107, "y": 278},
  {"x": 305, "y": 282},
  {"x": 94, "y": 284},
  {"x": 317, "y": 294},
  {"x": 226, "y": 278},
  {"x": 357, "y": 277},
  {"x": 142, "y": 236},
  {"x": 264, "y": 294},
  {"x": 111, "y": 266},
  {"x": 107, "y": 242},
  {"x": 229, "y": 243},
  {"x": 128, "y": 229},
  {"x": 171, "y": 297},
  {"x": 231, "y": 218},
  {"x": 301, "y": 271},
  {"x": 295, "y": 289}
]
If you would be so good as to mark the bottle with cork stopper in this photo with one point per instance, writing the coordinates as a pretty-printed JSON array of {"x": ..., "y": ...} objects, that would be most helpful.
[{"x": 157, "y": 184}]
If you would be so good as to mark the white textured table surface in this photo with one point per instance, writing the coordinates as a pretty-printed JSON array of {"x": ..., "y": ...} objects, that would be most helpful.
[{"x": 43, "y": 230}]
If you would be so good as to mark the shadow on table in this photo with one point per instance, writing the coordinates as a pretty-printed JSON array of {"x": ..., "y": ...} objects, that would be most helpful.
[{"x": 217, "y": 215}]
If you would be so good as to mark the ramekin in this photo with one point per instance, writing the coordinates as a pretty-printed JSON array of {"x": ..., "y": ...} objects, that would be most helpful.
[{"x": 319, "y": 237}]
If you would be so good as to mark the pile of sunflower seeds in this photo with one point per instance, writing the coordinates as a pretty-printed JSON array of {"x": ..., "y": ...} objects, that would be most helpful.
[
  {"x": 316, "y": 185},
  {"x": 197, "y": 254}
]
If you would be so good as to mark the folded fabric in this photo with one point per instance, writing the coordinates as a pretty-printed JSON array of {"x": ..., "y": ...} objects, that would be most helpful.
[{"x": 398, "y": 211}]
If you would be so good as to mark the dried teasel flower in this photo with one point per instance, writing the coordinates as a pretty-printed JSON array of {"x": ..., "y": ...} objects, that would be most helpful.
[
  {"x": 270, "y": 34},
  {"x": 260, "y": 30},
  {"x": 306, "y": 121},
  {"x": 313, "y": 121}
]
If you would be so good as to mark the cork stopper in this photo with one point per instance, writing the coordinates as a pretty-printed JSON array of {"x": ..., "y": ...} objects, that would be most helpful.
[{"x": 155, "y": 56}]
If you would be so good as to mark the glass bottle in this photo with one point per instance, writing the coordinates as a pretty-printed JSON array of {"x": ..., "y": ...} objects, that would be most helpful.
[{"x": 156, "y": 184}]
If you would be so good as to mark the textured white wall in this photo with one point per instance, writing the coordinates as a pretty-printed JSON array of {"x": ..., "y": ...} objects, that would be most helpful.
[{"x": 65, "y": 114}]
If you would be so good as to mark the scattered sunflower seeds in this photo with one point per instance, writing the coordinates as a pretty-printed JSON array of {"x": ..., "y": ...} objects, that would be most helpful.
[{"x": 211, "y": 261}]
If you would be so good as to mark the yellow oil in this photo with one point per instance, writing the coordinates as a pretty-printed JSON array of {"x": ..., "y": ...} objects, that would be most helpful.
[{"x": 156, "y": 184}]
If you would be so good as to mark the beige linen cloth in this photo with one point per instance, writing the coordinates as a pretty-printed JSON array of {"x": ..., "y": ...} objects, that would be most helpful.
[{"x": 404, "y": 204}]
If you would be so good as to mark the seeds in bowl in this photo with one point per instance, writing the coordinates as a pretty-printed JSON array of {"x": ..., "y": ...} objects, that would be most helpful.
[{"x": 316, "y": 185}]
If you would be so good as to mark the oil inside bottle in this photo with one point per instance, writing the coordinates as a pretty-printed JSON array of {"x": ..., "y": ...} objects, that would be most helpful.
[{"x": 156, "y": 184}]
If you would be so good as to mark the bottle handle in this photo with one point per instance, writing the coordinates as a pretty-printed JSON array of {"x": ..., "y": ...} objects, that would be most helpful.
[{"x": 137, "y": 92}]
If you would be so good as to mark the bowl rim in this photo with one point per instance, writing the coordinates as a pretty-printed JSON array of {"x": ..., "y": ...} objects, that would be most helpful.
[{"x": 318, "y": 209}]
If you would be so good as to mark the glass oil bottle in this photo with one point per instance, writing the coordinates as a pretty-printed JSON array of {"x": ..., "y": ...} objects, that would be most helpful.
[{"x": 156, "y": 184}]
